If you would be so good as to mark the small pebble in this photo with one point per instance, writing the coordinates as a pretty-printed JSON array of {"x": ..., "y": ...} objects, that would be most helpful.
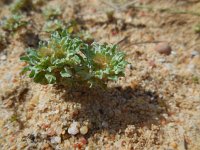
[
  {"x": 163, "y": 48},
  {"x": 194, "y": 53},
  {"x": 130, "y": 66},
  {"x": 83, "y": 141},
  {"x": 152, "y": 63},
  {"x": 73, "y": 129},
  {"x": 45, "y": 146},
  {"x": 59, "y": 130},
  {"x": 174, "y": 145},
  {"x": 104, "y": 124},
  {"x": 3, "y": 57},
  {"x": 51, "y": 132},
  {"x": 84, "y": 130},
  {"x": 56, "y": 139},
  {"x": 162, "y": 60}
]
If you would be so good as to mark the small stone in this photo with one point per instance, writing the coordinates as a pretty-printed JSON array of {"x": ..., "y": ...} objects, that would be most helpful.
[
  {"x": 63, "y": 132},
  {"x": 78, "y": 145},
  {"x": 73, "y": 129},
  {"x": 152, "y": 63},
  {"x": 130, "y": 66},
  {"x": 51, "y": 132},
  {"x": 104, "y": 124},
  {"x": 194, "y": 53},
  {"x": 84, "y": 130},
  {"x": 59, "y": 130},
  {"x": 162, "y": 60},
  {"x": 75, "y": 113},
  {"x": 83, "y": 141},
  {"x": 174, "y": 145},
  {"x": 55, "y": 139},
  {"x": 45, "y": 126},
  {"x": 3, "y": 57},
  {"x": 163, "y": 48},
  {"x": 45, "y": 146}
]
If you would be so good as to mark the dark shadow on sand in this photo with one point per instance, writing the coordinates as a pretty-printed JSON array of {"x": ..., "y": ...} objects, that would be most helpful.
[{"x": 116, "y": 108}]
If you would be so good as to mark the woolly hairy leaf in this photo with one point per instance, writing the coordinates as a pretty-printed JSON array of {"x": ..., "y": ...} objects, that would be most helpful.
[
  {"x": 65, "y": 73},
  {"x": 67, "y": 60},
  {"x": 13, "y": 23},
  {"x": 20, "y": 5},
  {"x": 50, "y": 78}
]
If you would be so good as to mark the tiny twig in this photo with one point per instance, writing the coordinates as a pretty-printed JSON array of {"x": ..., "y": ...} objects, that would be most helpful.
[
  {"x": 110, "y": 4},
  {"x": 122, "y": 40},
  {"x": 149, "y": 8},
  {"x": 128, "y": 4},
  {"x": 145, "y": 42},
  {"x": 167, "y": 10},
  {"x": 123, "y": 7}
]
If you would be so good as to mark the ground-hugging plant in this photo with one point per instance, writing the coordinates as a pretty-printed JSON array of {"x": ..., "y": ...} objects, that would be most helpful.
[
  {"x": 21, "y": 5},
  {"x": 51, "y": 12},
  {"x": 13, "y": 23},
  {"x": 70, "y": 61},
  {"x": 54, "y": 25},
  {"x": 197, "y": 28},
  {"x": 3, "y": 42}
]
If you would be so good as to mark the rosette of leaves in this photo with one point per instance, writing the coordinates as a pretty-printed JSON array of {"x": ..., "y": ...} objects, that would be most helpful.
[
  {"x": 13, "y": 23},
  {"x": 51, "y": 13},
  {"x": 21, "y": 5},
  {"x": 85, "y": 36},
  {"x": 108, "y": 64},
  {"x": 197, "y": 28},
  {"x": 70, "y": 61},
  {"x": 39, "y": 3},
  {"x": 3, "y": 41},
  {"x": 54, "y": 25}
]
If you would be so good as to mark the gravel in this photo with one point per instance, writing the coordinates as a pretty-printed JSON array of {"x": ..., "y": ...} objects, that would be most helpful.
[{"x": 163, "y": 48}]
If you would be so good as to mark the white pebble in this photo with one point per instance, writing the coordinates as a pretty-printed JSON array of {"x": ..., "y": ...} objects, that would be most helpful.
[
  {"x": 55, "y": 139},
  {"x": 104, "y": 124},
  {"x": 3, "y": 57},
  {"x": 73, "y": 129},
  {"x": 194, "y": 53}
]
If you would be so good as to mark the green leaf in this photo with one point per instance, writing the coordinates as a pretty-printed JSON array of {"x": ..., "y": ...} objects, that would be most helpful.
[
  {"x": 39, "y": 78},
  {"x": 65, "y": 73},
  {"x": 33, "y": 72},
  {"x": 25, "y": 69},
  {"x": 50, "y": 78},
  {"x": 25, "y": 58},
  {"x": 50, "y": 68}
]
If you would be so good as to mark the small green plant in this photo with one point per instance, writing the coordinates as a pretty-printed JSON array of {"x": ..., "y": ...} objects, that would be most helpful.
[
  {"x": 39, "y": 3},
  {"x": 51, "y": 13},
  {"x": 21, "y": 5},
  {"x": 85, "y": 36},
  {"x": 13, "y": 23},
  {"x": 3, "y": 42},
  {"x": 14, "y": 118},
  {"x": 197, "y": 28},
  {"x": 72, "y": 26},
  {"x": 195, "y": 79},
  {"x": 70, "y": 61},
  {"x": 57, "y": 25},
  {"x": 54, "y": 25}
]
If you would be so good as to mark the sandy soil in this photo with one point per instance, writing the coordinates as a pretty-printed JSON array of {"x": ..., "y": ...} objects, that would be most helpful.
[{"x": 155, "y": 106}]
